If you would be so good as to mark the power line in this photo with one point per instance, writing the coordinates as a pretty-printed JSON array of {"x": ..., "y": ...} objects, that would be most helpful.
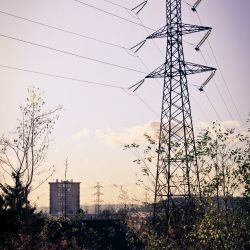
[
  {"x": 62, "y": 77},
  {"x": 128, "y": 10},
  {"x": 62, "y": 30},
  {"x": 72, "y": 54},
  {"x": 70, "y": 78},
  {"x": 190, "y": 5},
  {"x": 139, "y": 58},
  {"x": 90, "y": 82},
  {"x": 112, "y": 14},
  {"x": 222, "y": 75},
  {"x": 225, "y": 83},
  {"x": 71, "y": 32},
  {"x": 116, "y": 4},
  {"x": 213, "y": 107},
  {"x": 82, "y": 81},
  {"x": 142, "y": 24},
  {"x": 199, "y": 106},
  {"x": 219, "y": 92},
  {"x": 146, "y": 104},
  {"x": 156, "y": 45}
]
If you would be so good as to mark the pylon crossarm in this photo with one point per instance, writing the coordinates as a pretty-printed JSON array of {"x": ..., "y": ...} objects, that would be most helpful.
[
  {"x": 179, "y": 28},
  {"x": 158, "y": 72},
  {"x": 190, "y": 28},
  {"x": 192, "y": 68},
  {"x": 166, "y": 31},
  {"x": 161, "y": 72},
  {"x": 161, "y": 33}
]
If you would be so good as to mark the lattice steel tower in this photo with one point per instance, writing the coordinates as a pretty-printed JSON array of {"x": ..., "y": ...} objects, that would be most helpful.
[
  {"x": 177, "y": 177},
  {"x": 98, "y": 199}
]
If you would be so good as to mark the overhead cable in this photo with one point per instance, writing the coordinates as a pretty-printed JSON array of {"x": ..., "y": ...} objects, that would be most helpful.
[
  {"x": 156, "y": 45},
  {"x": 116, "y": 4},
  {"x": 127, "y": 9},
  {"x": 110, "y": 13},
  {"x": 187, "y": 3},
  {"x": 72, "y": 54},
  {"x": 62, "y": 30},
  {"x": 81, "y": 81},
  {"x": 199, "y": 106},
  {"x": 222, "y": 76},
  {"x": 61, "y": 77},
  {"x": 219, "y": 92},
  {"x": 225, "y": 83},
  {"x": 146, "y": 104},
  {"x": 142, "y": 24},
  {"x": 213, "y": 107}
]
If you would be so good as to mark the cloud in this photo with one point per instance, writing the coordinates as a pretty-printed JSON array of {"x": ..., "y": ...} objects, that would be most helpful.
[
  {"x": 136, "y": 133},
  {"x": 225, "y": 124},
  {"x": 80, "y": 134},
  {"x": 128, "y": 135}
]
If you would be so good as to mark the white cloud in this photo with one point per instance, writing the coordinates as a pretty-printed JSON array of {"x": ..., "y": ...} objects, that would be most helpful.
[
  {"x": 224, "y": 124},
  {"x": 128, "y": 135},
  {"x": 231, "y": 124},
  {"x": 80, "y": 134},
  {"x": 136, "y": 133}
]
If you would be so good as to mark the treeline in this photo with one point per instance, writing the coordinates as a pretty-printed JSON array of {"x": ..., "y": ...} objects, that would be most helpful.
[
  {"x": 219, "y": 220},
  {"x": 25, "y": 229}
]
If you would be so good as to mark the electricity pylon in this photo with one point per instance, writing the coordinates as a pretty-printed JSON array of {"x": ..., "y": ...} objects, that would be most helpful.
[
  {"x": 65, "y": 188},
  {"x": 98, "y": 198},
  {"x": 177, "y": 177}
]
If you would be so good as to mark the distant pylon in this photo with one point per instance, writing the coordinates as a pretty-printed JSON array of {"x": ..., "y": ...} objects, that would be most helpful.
[
  {"x": 177, "y": 177},
  {"x": 98, "y": 200},
  {"x": 65, "y": 188}
]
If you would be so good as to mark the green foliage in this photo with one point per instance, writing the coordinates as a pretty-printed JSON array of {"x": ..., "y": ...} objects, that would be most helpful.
[
  {"x": 224, "y": 161},
  {"x": 15, "y": 196},
  {"x": 223, "y": 229},
  {"x": 222, "y": 219}
]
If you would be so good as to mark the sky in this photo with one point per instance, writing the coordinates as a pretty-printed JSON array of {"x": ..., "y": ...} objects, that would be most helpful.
[{"x": 96, "y": 120}]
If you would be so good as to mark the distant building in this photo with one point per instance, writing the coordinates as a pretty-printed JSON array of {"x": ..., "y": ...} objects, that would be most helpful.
[{"x": 64, "y": 196}]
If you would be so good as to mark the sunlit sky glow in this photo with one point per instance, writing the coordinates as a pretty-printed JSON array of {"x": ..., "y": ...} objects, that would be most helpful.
[{"x": 96, "y": 121}]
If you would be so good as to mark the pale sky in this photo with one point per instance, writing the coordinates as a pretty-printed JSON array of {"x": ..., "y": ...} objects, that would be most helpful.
[{"x": 97, "y": 120}]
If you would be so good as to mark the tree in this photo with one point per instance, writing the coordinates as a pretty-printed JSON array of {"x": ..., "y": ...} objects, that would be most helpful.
[
  {"x": 145, "y": 153},
  {"x": 224, "y": 162},
  {"x": 23, "y": 153},
  {"x": 224, "y": 165}
]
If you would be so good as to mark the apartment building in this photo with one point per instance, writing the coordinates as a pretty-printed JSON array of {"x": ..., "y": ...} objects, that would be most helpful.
[{"x": 64, "y": 197}]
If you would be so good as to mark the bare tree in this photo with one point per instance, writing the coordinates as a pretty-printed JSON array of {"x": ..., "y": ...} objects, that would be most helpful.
[{"x": 23, "y": 152}]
